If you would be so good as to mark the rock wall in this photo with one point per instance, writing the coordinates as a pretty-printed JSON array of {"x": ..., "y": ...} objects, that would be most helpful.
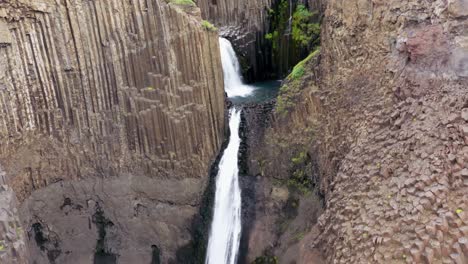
[
  {"x": 110, "y": 114},
  {"x": 387, "y": 111},
  {"x": 395, "y": 75},
  {"x": 283, "y": 157},
  {"x": 388, "y": 124}
]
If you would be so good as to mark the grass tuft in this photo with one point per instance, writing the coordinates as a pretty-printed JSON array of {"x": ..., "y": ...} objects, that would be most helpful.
[
  {"x": 208, "y": 26},
  {"x": 183, "y": 2}
]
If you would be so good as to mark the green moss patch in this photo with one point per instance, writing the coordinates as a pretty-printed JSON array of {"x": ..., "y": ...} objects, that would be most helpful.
[
  {"x": 208, "y": 26},
  {"x": 292, "y": 88},
  {"x": 183, "y": 2}
]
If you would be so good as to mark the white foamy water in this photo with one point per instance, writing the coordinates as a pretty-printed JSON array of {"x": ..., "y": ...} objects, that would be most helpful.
[
  {"x": 225, "y": 232},
  {"x": 233, "y": 84}
]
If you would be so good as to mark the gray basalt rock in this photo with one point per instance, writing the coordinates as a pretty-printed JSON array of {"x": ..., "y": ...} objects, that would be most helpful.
[{"x": 458, "y": 8}]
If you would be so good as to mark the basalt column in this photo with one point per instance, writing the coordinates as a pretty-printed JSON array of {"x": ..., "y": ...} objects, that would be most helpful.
[{"x": 110, "y": 114}]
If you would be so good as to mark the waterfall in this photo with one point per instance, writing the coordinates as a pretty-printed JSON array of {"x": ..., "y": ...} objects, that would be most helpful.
[
  {"x": 233, "y": 84},
  {"x": 225, "y": 231},
  {"x": 226, "y": 227}
]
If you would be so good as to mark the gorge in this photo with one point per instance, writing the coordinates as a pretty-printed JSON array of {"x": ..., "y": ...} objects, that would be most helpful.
[{"x": 131, "y": 133}]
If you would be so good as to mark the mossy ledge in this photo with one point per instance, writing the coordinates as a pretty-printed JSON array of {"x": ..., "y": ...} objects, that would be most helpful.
[{"x": 294, "y": 84}]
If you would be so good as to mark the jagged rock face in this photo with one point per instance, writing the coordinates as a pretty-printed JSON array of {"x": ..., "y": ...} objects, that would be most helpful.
[
  {"x": 391, "y": 136},
  {"x": 110, "y": 116},
  {"x": 249, "y": 16},
  {"x": 388, "y": 116}
]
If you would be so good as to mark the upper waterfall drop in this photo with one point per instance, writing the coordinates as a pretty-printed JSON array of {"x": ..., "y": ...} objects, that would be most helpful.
[{"x": 233, "y": 84}]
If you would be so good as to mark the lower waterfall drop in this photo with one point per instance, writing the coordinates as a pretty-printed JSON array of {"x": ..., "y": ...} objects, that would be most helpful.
[{"x": 225, "y": 232}]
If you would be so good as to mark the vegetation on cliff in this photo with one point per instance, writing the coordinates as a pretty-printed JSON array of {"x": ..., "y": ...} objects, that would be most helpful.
[
  {"x": 183, "y": 2},
  {"x": 208, "y": 26},
  {"x": 305, "y": 32},
  {"x": 292, "y": 87},
  {"x": 292, "y": 34}
]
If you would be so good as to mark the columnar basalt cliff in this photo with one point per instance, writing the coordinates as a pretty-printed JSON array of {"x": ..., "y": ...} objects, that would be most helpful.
[
  {"x": 110, "y": 114},
  {"x": 384, "y": 113}
]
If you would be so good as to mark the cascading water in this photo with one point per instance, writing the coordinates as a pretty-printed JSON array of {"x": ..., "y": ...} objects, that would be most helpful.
[
  {"x": 226, "y": 227},
  {"x": 233, "y": 84},
  {"x": 225, "y": 231}
]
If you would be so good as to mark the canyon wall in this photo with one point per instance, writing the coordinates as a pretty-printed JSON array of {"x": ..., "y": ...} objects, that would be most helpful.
[
  {"x": 110, "y": 115},
  {"x": 395, "y": 98},
  {"x": 283, "y": 155},
  {"x": 384, "y": 114}
]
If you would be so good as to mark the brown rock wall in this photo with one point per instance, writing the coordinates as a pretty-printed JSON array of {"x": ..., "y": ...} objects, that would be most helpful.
[
  {"x": 122, "y": 100},
  {"x": 392, "y": 92},
  {"x": 387, "y": 111}
]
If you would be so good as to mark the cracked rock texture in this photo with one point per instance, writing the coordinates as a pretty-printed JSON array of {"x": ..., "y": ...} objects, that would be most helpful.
[
  {"x": 389, "y": 113},
  {"x": 110, "y": 115}
]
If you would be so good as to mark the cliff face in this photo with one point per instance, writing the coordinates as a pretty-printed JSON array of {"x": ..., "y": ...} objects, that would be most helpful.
[
  {"x": 385, "y": 115},
  {"x": 283, "y": 154},
  {"x": 111, "y": 113},
  {"x": 399, "y": 72}
]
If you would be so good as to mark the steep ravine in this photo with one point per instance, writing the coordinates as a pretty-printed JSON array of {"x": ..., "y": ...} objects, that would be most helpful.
[{"x": 111, "y": 117}]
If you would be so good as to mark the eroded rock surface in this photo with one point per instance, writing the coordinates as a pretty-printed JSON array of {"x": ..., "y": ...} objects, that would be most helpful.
[
  {"x": 110, "y": 114},
  {"x": 387, "y": 113}
]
